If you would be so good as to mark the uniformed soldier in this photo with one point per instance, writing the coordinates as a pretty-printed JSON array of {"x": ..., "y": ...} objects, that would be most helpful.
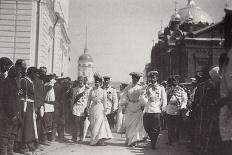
[
  {"x": 112, "y": 101},
  {"x": 177, "y": 102},
  {"x": 79, "y": 100},
  {"x": 157, "y": 101}
]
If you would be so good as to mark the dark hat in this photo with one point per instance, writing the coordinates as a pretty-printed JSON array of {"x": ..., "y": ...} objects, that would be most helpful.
[
  {"x": 137, "y": 74},
  {"x": 32, "y": 70},
  {"x": 80, "y": 78},
  {"x": 171, "y": 79},
  {"x": 60, "y": 78},
  {"x": 153, "y": 73},
  {"x": 164, "y": 82}
]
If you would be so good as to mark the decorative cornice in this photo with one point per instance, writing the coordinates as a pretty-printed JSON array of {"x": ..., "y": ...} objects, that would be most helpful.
[{"x": 50, "y": 7}]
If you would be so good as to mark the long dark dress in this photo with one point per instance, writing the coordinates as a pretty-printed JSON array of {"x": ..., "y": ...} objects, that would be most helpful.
[{"x": 207, "y": 137}]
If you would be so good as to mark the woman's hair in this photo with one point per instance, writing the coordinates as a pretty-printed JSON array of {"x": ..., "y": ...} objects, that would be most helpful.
[
  {"x": 14, "y": 72},
  {"x": 97, "y": 77}
]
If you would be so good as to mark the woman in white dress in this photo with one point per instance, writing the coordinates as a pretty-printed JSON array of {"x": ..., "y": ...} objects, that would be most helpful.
[
  {"x": 99, "y": 126},
  {"x": 130, "y": 101}
]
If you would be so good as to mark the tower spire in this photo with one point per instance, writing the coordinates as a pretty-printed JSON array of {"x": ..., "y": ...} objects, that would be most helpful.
[
  {"x": 161, "y": 24},
  {"x": 86, "y": 40},
  {"x": 175, "y": 6}
]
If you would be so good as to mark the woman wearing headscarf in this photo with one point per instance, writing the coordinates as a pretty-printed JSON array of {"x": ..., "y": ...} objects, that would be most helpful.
[
  {"x": 99, "y": 126},
  {"x": 130, "y": 102}
]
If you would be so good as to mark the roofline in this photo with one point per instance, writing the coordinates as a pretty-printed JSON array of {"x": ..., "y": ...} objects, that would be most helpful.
[
  {"x": 204, "y": 39},
  {"x": 199, "y": 32}
]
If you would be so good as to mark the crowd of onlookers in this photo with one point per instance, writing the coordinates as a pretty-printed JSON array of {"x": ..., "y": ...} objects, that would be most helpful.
[
  {"x": 36, "y": 106},
  {"x": 32, "y": 109}
]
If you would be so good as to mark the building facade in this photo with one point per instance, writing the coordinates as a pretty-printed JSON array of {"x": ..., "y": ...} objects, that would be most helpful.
[
  {"x": 190, "y": 43},
  {"x": 36, "y": 31}
]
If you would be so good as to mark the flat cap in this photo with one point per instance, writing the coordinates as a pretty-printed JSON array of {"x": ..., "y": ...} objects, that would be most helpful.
[
  {"x": 138, "y": 74},
  {"x": 153, "y": 73}
]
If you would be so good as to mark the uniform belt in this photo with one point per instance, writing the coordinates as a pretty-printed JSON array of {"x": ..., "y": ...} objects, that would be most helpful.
[
  {"x": 28, "y": 100},
  {"x": 52, "y": 103},
  {"x": 134, "y": 101}
]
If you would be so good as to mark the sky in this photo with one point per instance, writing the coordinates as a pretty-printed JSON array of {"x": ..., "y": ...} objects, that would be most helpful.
[{"x": 120, "y": 32}]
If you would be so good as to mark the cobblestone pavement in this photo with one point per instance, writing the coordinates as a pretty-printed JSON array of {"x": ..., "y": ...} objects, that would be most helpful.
[{"x": 116, "y": 147}]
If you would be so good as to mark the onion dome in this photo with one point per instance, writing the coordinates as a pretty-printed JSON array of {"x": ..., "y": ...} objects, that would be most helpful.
[
  {"x": 86, "y": 58},
  {"x": 175, "y": 17},
  {"x": 189, "y": 18},
  {"x": 195, "y": 13}
]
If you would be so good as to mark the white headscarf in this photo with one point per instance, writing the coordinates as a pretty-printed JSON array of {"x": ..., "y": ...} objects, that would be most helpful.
[{"x": 214, "y": 74}]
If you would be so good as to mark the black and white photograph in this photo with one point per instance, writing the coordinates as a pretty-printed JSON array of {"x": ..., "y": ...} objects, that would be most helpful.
[{"x": 115, "y": 77}]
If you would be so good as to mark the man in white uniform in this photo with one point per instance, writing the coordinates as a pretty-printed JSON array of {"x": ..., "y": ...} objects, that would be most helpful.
[{"x": 112, "y": 101}]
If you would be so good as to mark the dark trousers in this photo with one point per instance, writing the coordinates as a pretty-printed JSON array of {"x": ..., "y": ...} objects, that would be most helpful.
[
  {"x": 111, "y": 120},
  {"x": 151, "y": 123},
  {"x": 6, "y": 138},
  {"x": 77, "y": 127},
  {"x": 173, "y": 122},
  {"x": 226, "y": 148},
  {"x": 49, "y": 118},
  {"x": 41, "y": 127},
  {"x": 163, "y": 120}
]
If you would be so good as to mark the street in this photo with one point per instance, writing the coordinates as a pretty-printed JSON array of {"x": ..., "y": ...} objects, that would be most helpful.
[{"x": 116, "y": 147}]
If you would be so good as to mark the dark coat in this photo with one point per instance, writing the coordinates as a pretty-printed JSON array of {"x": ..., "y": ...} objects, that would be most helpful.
[
  {"x": 27, "y": 131},
  {"x": 39, "y": 90},
  {"x": 10, "y": 98},
  {"x": 10, "y": 102}
]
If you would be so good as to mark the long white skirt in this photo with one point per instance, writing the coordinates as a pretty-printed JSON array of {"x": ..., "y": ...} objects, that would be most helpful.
[
  {"x": 135, "y": 131},
  {"x": 99, "y": 126},
  {"x": 121, "y": 124}
]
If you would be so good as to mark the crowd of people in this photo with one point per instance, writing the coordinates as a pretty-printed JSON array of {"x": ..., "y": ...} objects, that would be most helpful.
[{"x": 35, "y": 108}]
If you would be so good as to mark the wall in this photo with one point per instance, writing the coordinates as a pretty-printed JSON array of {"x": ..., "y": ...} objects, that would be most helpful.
[{"x": 16, "y": 19}]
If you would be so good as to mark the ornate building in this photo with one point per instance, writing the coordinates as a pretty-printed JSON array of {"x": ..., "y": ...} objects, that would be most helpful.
[
  {"x": 36, "y": 31},
  {"x": 188, "y": 44},
  {"x": 85, "y": 64}
]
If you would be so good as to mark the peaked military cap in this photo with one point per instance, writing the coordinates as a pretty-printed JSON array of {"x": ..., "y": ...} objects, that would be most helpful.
[
  {"x": 106, "y": 77},
  {"x": 137, "y": 74},
  {"x": 153, "y": 73}
]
